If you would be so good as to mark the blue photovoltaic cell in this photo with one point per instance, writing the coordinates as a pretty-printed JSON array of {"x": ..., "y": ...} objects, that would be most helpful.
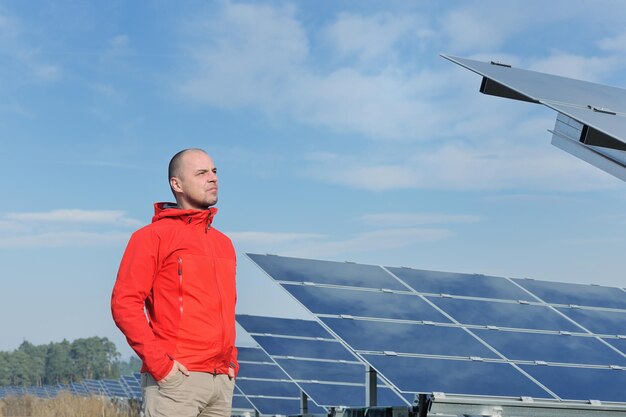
[
  {"x": 279, "y": 326},
  {"x": 460, "y": 284},
  {"x": 268, "y": 388},
  {"x": 240, "y": 402},
  {"x": 258, "y": 370},
  {"x": 407, "y": 338},
  {"x": 303, "y": 348},
  {"x": 252, "y": 355},
  {"x": 348, "y": 395},
  {"x": 571, "y": 383},
  {"x": 492, "y": 313},
  {"x": 577, "y": 294},
  {"x": 551, "y": 348},
  {"x": 617, "y": 343},
  {"x": 426, "y": 375},
  {"x": 274, "y": 406},
  {"x": 365, "y": 303},
  {"x": 326, "y": 272},
  {"x": 598, "y": 321},
  {"x": 323, "y": 371}
]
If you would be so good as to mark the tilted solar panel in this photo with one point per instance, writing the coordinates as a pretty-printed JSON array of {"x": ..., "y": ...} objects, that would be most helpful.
[
  {"x": 325, "y": 370},
  {"x": 527, "y": 343},
  {"x": 267, "y": 388}
]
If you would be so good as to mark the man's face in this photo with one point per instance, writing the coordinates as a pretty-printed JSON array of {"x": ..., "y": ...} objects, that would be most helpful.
[{"x": 196, "y": 183}]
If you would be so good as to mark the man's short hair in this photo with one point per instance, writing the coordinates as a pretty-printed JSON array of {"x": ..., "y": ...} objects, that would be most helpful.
[{"x": 173, "y": 169}]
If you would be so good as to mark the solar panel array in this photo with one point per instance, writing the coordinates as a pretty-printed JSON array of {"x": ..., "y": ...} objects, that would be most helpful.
[
  {"x": 322, "y": 367},
  {"x": 466, "y": 334},
  {"x": 266, "y": 386},
  {"x": 128, "y": 387}
]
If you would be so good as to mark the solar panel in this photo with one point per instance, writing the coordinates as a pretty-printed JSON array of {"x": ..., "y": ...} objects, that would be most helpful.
[
  {"x": 573, "y": 383},
  {"x": 326, "y": 272},
  {"x": 321, "y": 366},
  {"x": 504, "y": 314},
  {"x": 576, "y": 294},
  {"x": 505, "y": 347},
  {"x": 460, "y": 376},
  {"x": 590, "y": 123},
  {"x": 598, "y": 321},
  {"x": 380, "y": 304},
  {"x": 380, "y": 336},
  {"x": 556, "y": 348},
  {"x": 471, "y": 285},
  {"x": 268, "y": 389}
]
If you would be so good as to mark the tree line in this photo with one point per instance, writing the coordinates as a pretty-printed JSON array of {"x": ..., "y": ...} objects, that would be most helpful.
[{"x": 64, "y": 362}]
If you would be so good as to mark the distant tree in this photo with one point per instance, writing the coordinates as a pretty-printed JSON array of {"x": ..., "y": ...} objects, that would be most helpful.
[
  {"x": 5, "y": 368},
  {"x": 21, "y": 371},
  {"x": 94, "y": 358},
  {"x": 128, "y": 367},
  {"x": 65, "y": 362},
  {"x": 37, "y": 359},
  {"x": 58, "y": 368}
]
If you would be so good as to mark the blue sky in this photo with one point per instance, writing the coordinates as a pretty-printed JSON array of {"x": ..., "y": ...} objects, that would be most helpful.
[{"x": 338, "y": 130}]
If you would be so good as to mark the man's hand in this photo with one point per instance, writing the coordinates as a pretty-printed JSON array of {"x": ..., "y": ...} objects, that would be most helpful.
[
  {"x": 175, "y": 369},
  {"x": 231, "y": 373}
]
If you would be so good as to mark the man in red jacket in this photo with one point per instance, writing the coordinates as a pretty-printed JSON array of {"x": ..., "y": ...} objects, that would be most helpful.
[{"x": 179, "y": 271}]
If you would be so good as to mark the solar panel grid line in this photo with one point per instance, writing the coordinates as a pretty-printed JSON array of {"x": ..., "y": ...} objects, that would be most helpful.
[
  {"x": 321, "y": 360},
  {"x": 287, "y": 336},
  {"x": 346, "y": 287}
]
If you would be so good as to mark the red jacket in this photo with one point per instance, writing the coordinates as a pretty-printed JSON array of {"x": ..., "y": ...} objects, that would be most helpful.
[{"x": 182, "y": 271}]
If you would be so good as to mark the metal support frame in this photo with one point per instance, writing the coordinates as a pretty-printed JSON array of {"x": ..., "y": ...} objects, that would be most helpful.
[
  {"x": 450, "y": 405},
  {"x": 304, "y": 403},
  {"x": 371, "y": 378}
]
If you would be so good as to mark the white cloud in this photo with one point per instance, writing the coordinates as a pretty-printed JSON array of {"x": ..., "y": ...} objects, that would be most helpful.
[
  {"x": 271, "y": 238},
  {"x": 577, "y": 66},
  {"x": 63, "y": 239},
  {"x": 258, "y": 56},
  {"x": 413, "y": 219},
  {"x": 75, "y": 216},
  {"x": 368, "y": 38},
  {"x": 458, "y": 166},
  {"x": 364, "y": 242},
  {"x": 65, "y": 227},
  {"x": 613, "y": 44}
]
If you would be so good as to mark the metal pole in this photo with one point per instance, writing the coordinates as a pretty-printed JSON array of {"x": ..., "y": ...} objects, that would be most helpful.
[
  {"x": 370, "y": 387},
  {"x": 304, "y": 403}
]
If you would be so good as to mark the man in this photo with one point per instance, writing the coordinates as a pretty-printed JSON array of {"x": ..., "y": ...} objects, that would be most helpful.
[{"x": 182, "y": 271}]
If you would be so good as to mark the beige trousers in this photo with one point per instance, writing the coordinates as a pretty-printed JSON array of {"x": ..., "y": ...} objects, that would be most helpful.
[{"x": 200, "y": 394}]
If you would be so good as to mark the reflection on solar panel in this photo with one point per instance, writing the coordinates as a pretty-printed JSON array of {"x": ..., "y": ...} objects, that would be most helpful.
[
  {"x": 590, "y": 123},
  {"x": 321, "y": 366},
  {"x": 466, "y": 334},
  {"x": 270, "y": 391}
]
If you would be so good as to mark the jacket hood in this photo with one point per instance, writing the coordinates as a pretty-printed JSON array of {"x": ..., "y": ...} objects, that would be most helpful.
[{"x": 170, "y": 210}]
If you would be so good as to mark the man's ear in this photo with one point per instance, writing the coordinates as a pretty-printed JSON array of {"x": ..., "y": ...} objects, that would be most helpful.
[{"x": 175, "y": 184}]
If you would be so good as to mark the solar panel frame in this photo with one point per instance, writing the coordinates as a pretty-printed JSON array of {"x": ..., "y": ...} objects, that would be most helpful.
[
  {"x": 315, "y": 374},
  {"x": 533, "y": 386}
]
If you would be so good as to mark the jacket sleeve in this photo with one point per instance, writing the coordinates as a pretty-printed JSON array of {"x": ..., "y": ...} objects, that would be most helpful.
[
  {"x": 132, "y": 287},
  {"x": 233, "y": 360}
]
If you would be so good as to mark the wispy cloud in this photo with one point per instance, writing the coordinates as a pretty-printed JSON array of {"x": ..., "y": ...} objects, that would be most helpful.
[
  {"x": 314, "y": 244},
  {"x": 272, "y": 238},
  {"x": 65, "y": 227},
  {"x": 62, "y": 239},
  {"x": 413, "y": 219},
  {"x": 75, "y": 216},
  {"x": 381, "y": 240}
]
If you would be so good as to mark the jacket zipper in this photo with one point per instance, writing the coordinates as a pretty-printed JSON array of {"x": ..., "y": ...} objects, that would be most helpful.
[{"x": 180, "y": 284}]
